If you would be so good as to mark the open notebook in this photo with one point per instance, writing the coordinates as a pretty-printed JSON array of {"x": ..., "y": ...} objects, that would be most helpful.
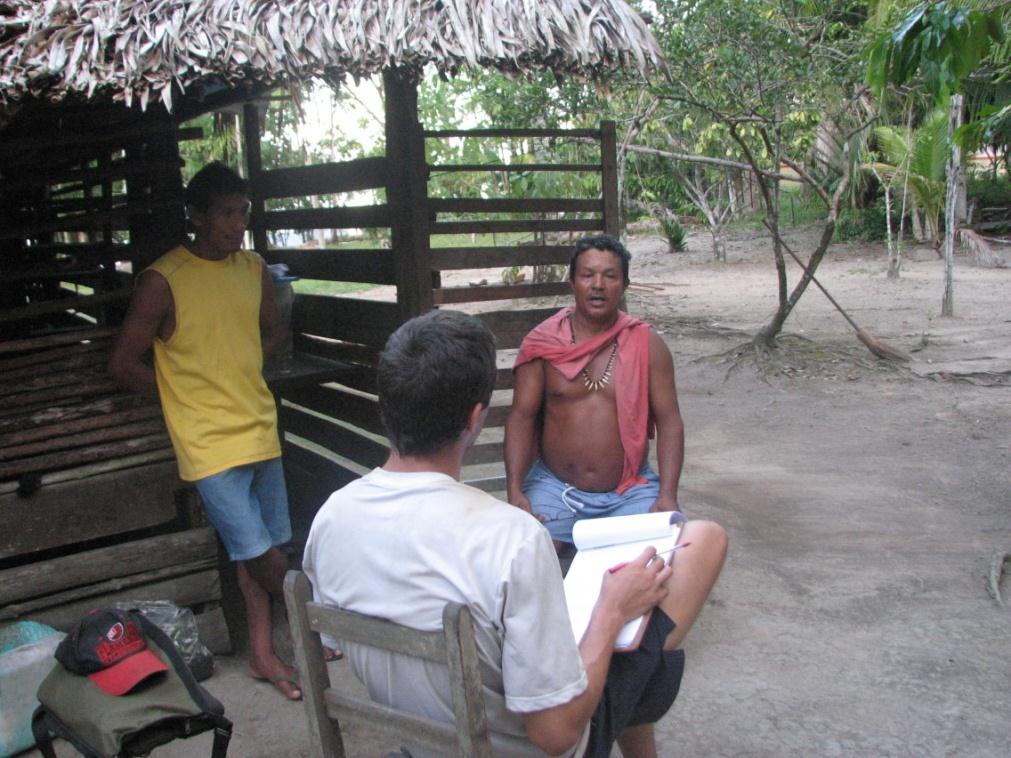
[{"x": 603, "y": 543}]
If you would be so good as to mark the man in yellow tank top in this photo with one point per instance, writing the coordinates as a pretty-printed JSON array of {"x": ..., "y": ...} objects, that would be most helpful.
[{"x": 207, "y": 311}]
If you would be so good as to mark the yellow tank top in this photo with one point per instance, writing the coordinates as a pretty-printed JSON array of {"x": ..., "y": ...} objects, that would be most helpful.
[{"x": 217, "y": 407}]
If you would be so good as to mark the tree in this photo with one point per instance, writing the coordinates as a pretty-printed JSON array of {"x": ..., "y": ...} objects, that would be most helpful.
[
  {"x": 944, "y": 43},
  {"x": 777, "y": 78},
  {"x": 915, "y": 158}
]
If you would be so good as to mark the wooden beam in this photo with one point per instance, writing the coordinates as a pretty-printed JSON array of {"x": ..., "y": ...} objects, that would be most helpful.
[
  {"x": 118, "y": 135},
  {"x": 518, "y": 226},
  {"x": 447, "y": 258},
  {"x": 407, "y": 194},
  {"x": 254, "y": 165},
  {"x": 366, "y": 322},
  {"x": 609, "y": 178},
  {"x": 46, "y": 307},
  {"x": 91, "y": 336},
  {"x": 120, "y": 217},
  {"x": 334, "y": 437},
  {"x": 510, "y": 327},
  {"x": 450, "y": 295},
  {"x": 90, "y": 566},
  {"x": 190, "y": 589},
  {"x": 367, "y": 216},
  {"x": 371, "y": 266},
  {"x": 78, "y": 511},
  {"x": 90, "y": 422},
  {"x": 324, "y": 178},
  {"x": 515, "y": 205},
  {"x": 82, "y": 439},
  {"x": 593, "y": 133},
  {"x": 331, "y": 401},
  {"x": 96, "y": 452},
  {"x": 448, "y": 168}
]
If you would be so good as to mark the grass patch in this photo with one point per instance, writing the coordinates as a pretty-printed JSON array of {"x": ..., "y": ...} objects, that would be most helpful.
[{"x": 324, "y": 287}]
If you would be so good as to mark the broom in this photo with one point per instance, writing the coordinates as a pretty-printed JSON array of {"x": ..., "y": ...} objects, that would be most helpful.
[{"x": 876, "y": 346}]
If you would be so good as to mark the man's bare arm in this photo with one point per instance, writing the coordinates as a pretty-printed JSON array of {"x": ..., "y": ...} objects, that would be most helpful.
[
  {"x": 624, "y": 595},
  {"x": 521, "y": 442},
  {"x": 149, "y": 307},
  {"x": 670, "y": 430},
  {"x": 271, "y": 332}
]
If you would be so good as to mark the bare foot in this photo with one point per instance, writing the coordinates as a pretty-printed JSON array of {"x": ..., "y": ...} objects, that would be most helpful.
[
  {"x": 331, "y": 654},
  {"x": 281, "y": 676}
]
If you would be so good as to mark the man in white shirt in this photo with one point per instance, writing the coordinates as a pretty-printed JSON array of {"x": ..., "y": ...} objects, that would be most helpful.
[{"x": 405, "y": 539}]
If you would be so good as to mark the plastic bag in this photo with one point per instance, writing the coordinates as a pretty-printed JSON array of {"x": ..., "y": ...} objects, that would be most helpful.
[{"x": 181, "y": 627}]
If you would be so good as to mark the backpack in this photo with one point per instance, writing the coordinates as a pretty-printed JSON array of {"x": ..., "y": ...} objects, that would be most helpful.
[{"x": 103, "y": 726}]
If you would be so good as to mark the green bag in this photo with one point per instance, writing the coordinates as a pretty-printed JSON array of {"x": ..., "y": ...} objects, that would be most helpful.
[{"x": 100, "y": 725}]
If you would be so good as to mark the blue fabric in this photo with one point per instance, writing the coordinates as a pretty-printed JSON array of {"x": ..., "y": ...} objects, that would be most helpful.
[
  {"x": 248, "y": 506},
  {"x": 561, "y": 505}
]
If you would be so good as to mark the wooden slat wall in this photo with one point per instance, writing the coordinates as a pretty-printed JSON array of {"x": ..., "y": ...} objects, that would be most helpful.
[
  {"x": 75, "y": 203},
  {"x": 523, "y": 304},
  {"x": 348, "y": 328}
]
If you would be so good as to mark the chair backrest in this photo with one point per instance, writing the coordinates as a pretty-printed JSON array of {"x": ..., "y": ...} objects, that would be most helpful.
[{"x": 327, "y": 708}]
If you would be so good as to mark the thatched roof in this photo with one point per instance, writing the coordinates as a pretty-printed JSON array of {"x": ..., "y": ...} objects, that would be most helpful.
[{"x": 136, "y": 51}]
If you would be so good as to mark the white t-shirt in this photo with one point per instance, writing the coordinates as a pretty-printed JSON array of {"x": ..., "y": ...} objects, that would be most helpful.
[{"x": 401, "y": 545}]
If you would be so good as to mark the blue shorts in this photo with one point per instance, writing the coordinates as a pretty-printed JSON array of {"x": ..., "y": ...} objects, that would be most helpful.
[
  {"x": 248, "y": 506},
  {"x": 561, "y": 505}
]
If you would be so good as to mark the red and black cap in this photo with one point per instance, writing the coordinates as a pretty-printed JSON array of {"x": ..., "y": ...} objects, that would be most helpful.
[{"x": 109, "y": 647}]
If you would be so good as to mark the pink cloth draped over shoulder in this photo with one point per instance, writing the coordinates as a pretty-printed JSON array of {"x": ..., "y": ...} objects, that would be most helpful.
[{"x": 551, "y": 340}]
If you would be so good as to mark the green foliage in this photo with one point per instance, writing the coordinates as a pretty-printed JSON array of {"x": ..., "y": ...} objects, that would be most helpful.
[
  {"x": 941, "y": 41},
  {"x": 867, "y": 224},
  {"x": 916, "y": 160},
  {"x": 989, "y": 191},
  {"x": 673, "y": 232}
]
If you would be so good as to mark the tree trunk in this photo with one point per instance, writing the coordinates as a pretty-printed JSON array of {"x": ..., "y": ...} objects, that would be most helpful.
[
  {"x": 917, "y": 219},
  {"x": 719, "y": 246},
  {"x": 950, "y": 206}
]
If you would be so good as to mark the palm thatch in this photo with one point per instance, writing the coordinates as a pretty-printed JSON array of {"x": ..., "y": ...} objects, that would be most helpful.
[{"x": 144, "y": 50}]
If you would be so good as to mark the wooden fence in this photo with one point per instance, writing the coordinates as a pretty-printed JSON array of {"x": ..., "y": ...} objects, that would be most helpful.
[{"x": 342, "y": 418}]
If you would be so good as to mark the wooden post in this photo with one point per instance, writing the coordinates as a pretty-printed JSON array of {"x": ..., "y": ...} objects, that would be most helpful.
[
  {"x": 407, "y": 195},
  {"x": 254, "y": 167},
  {"x": 609, "y": 177}
]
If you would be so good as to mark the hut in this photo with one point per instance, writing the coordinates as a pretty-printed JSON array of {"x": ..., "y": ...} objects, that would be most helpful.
[{"x": 94, "y": 96}]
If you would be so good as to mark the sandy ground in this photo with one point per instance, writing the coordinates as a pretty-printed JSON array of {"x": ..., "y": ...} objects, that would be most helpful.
[{"x": 863, "y": 501}]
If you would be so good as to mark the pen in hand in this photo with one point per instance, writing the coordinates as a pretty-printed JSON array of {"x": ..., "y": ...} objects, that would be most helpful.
[{"x": 674, "y": 549}]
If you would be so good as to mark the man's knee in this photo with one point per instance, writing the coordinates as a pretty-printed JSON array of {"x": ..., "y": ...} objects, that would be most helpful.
[{"x": 709, "y": 535}]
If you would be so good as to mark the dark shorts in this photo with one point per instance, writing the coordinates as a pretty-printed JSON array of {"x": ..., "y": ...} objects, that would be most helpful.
[{"x": 640, "y": 688}]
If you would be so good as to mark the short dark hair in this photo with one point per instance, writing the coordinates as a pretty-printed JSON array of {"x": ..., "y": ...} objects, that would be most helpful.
[
  {"x": 431, "y": 373},
  {"x": 600, "y": 242},
  {"x": 213, "y": 181}
]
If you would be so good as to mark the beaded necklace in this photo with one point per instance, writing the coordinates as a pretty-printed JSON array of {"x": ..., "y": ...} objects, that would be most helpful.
[{"x": 605, "y": 377}]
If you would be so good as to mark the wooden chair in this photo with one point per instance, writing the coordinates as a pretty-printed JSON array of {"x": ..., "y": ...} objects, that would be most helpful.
[{"x": 327, "y": 708}]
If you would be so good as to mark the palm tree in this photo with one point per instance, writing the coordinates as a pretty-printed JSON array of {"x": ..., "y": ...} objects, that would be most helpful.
[{"x": 915, "y": 160}]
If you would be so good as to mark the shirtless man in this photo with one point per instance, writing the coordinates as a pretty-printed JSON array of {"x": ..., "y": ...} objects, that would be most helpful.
[{"x": 590, "y": 383}]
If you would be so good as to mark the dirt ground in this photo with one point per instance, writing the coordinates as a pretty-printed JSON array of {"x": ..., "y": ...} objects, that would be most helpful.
[{"x": 864, "y": 503}]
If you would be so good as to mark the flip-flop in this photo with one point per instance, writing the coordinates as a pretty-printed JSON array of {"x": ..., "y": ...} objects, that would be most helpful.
[{"x": 277, "y": 681}]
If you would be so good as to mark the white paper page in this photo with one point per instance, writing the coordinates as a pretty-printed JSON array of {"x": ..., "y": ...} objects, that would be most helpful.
[
  {"x": 597, "y": 532},
  {"x": 586, "y": 574}
]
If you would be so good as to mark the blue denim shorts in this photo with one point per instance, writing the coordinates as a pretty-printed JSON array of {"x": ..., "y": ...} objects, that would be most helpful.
[
  {"x": 248, "y": 506},
  {"x": 561, "y": 505}
]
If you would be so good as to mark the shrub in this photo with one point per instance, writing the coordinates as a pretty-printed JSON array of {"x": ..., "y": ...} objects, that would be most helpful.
[
  {"x": 674, "y": 233},
  {"x": 988, "y": 191},
  {"x": 868, "y": 224}
]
